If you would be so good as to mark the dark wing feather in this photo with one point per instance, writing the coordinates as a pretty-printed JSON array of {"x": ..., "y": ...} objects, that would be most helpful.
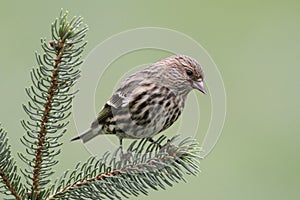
[{"x": 103, "y": 115}]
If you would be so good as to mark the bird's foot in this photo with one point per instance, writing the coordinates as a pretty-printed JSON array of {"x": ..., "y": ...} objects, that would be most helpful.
[
  {"x": 125, "y": 157},
  {"x": 168, "y": 147},
  {"x": 155, "y": 142}
]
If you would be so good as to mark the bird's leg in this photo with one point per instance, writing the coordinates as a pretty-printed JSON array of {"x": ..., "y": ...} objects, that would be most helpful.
[
  {"x": 124, "y": 157},
  {"x": 121, "y": 147},
  {"x": 150, "y": 139}
]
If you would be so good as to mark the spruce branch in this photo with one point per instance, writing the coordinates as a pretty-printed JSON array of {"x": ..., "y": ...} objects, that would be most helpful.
[
  {"x": 145, "y": 166},
  {"x": 10, "y": 181},
  {"x": 51, "y": 99}
]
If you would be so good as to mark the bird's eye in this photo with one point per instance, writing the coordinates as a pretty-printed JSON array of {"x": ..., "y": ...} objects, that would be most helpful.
[{"x": 189, "y": 72}]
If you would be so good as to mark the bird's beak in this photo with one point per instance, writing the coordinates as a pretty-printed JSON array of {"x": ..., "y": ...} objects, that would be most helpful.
[{"x": 199, "y": 85}]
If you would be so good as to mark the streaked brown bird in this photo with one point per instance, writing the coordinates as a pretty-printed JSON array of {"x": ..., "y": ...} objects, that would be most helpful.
[{"x": 149, "y": 101}]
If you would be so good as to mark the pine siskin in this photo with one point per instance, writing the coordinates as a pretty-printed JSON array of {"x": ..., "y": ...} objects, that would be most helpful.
[{"x": 149, "y": 101}]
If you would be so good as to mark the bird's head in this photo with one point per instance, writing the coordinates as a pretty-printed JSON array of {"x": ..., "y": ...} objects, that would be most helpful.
[{"x": 184, "y": 73}]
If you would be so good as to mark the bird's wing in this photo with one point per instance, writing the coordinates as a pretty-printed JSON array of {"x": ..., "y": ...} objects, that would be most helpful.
[
  {"x": 118, "y": 99},
  {"x": 121, "y": 96},
  {"x": 103, "y": 115}
]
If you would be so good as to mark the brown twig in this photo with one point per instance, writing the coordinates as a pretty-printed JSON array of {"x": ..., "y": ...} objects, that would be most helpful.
[{"x": 45, "y": 117}]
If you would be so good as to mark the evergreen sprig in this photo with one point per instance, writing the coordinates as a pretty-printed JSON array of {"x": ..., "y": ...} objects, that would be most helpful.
[{"x": 145, "y": 166}]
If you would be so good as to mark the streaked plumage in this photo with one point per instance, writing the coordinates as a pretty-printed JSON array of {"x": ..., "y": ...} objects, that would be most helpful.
[{"x": 149, "y": 101}]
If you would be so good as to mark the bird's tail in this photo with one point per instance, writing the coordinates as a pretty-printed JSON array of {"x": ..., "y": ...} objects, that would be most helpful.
[{"x": 86, "y": 135}]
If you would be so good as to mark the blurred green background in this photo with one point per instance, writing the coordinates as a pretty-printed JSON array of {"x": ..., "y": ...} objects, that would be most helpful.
[{"x": 255, "y": 45}]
